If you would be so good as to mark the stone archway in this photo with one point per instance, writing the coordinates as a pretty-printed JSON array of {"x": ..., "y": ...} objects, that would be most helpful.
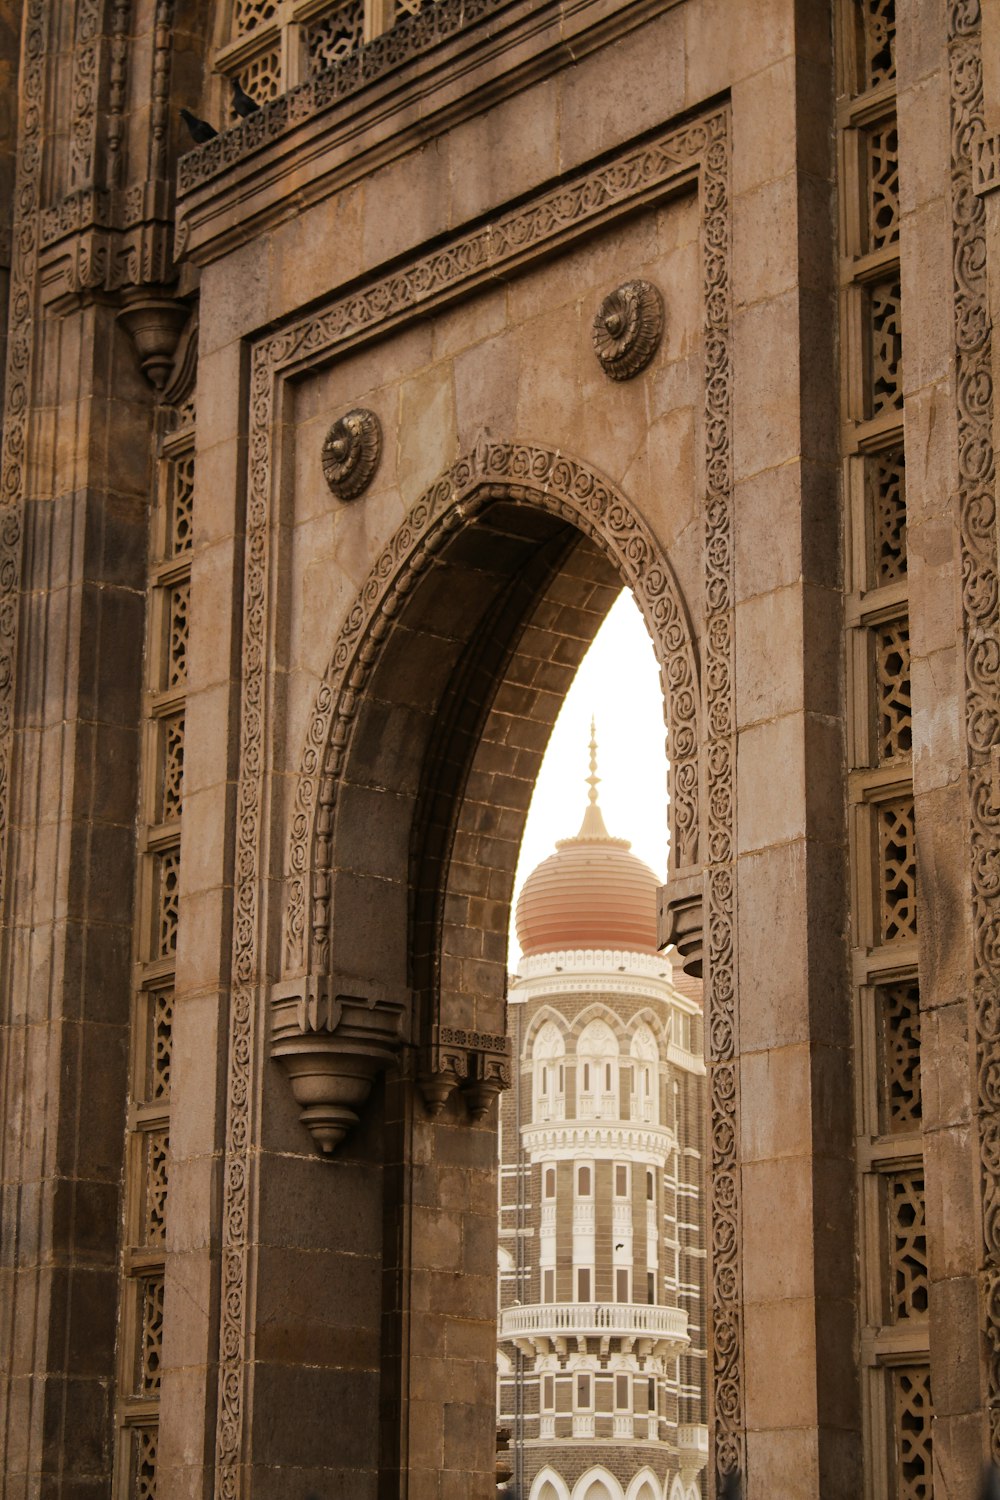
[
  {"x": 316, "y": 995},
  {"x": 425, "y": 740}
]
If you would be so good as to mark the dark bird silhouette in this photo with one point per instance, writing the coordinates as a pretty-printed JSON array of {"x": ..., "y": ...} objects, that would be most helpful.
[
  {"x": 200, "y": 131},
  {"x": 621, "y": 1246},
  {"x": 243, "y": 104}
]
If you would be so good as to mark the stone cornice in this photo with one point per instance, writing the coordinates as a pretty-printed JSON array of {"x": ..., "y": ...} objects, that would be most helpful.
[{"x": 451, "y": 62}]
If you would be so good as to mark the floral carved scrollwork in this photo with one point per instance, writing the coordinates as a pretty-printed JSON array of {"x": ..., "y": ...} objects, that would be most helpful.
[
  {"x": 977, "y": 527},
  {"x": 628, "y": 327},
  {"x": 36, "y": 20},
  {"x": 351, "y": 451}
]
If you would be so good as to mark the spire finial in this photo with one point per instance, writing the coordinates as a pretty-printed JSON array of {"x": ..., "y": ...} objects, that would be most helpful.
[{"x": 593, "y": 778}]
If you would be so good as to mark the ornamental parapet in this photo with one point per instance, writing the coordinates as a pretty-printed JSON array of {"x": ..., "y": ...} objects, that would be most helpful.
[
  {"x": 599, "y": 1140},
  {"x": 546, "y": 1327}
]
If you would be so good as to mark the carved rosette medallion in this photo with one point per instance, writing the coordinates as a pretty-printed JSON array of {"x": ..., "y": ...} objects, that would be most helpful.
[
  {"x": 351, "y": 453},
  {"x": 628, "y": 327}
]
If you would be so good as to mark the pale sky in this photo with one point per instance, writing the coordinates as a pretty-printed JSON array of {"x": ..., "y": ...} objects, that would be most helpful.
[{"x": 618, "y": 683}]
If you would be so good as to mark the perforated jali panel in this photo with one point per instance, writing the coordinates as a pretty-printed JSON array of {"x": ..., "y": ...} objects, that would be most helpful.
[
  {"x": 897, "y": 845},
  {"x": 160, "y": 1041},
  {"x": 907, "y": 1245},
  {"x": 154, "y": 1228},
  {"x": 911, "y": 1420},
  {"x": 249, "y": 13},
  {"x": 880, "y": 150},
  {"x": 172, "y": 767},
  {"x": 877, "y": 20},
  {"x": 151, "y": 1339},
  {"x": 885, "y": 485},
  {"x": 177, "y": 640},
  {"x": 167, "y": 875},
  {"x": 179, "y": 523},
  {"x": 145, "y": 1440},
  {"x": 885, "y": 346},
  {"x": 894, "y": 726},
  {"x": 332, "y": 37},
  {"x": 900, "y": 1107},
  {"x": 262, "y": 78}
]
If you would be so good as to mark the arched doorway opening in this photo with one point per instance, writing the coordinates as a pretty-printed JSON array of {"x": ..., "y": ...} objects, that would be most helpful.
[{"x": 425, "y": 743}]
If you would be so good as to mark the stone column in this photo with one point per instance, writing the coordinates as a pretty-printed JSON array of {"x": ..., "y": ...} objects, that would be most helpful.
[{"x": 69, "y": 896}]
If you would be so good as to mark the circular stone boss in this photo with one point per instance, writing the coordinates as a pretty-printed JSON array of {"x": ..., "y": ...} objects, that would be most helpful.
[
  {"x": 351, "y": 451},
  {"x": 628, "y": 327}
]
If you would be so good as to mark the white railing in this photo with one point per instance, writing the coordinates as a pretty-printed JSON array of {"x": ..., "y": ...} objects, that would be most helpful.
[
  {"x": 623, "y": 1425},
  {"x": 594, "y": 1319},
  {"x": 546, "y": 1427},
  {"x": 693, "y": 1438},
  {"x": 583, "y": 1425}
]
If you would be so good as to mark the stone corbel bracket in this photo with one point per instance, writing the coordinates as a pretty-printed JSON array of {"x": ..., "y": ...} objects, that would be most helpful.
[
  {"x": 332, "y": 1041},
  {"x": 95, "y": 242},
  {"x": 476, "y": 1062},
  {"x": 681, "y": 920}
]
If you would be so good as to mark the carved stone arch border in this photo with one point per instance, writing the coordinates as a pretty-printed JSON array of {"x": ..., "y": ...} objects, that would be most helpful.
[
  {"x": 694, "y": 153},
  {"x": 495, "y": 470}
]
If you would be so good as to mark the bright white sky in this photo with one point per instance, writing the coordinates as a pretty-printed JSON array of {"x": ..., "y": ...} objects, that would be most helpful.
[{"x": 618, "y": 683}]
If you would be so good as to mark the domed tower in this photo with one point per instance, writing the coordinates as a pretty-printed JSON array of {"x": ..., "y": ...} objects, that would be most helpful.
[{"x": 601, "y": 1366}]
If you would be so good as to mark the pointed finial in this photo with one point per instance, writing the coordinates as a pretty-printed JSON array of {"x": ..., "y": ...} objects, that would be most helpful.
[{"x": 593, "y": 778}]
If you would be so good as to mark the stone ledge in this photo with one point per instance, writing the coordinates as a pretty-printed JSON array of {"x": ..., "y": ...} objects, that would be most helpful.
[{"x": 351, "y": 119}]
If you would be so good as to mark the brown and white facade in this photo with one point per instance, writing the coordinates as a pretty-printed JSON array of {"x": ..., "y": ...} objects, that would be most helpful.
[{"x": 601, "y": 1378}]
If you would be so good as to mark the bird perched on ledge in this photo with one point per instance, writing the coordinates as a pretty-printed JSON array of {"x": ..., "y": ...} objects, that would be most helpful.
[
  {"x": 243, "y": 104},
  {"x": 200, "y": 131}
]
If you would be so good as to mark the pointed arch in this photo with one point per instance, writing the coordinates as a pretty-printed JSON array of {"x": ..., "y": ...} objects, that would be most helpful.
[
  {"x": 645, "y": 1486},
  {"x": 548, "y": 1485},
  {"x": 597, "y": 1483},
  {"x": 598, "y": 1010}
]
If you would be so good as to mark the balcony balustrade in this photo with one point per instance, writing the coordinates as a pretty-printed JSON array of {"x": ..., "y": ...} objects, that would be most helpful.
[{"x": 544, "y": 1327}]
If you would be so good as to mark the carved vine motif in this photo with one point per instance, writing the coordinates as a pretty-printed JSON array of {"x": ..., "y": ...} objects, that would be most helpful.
[
  {"x": 86, "y": 83},
  {"x": 351, "y": 452},
  {"x": 509, "y": 240},
  {"x": 628, "y": 327},
  {"x": 977, "y": 525},
  {"x": 18, "y": 383}
]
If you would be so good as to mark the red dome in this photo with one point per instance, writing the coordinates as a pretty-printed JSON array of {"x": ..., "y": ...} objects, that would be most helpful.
[{"x": 592, "y": 893}]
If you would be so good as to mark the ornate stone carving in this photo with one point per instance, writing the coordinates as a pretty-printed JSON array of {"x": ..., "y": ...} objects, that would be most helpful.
[
  {"x": 474, "y": 1061},
  {"x": 681, "y": 921},
  {"x": 351, "y": 452},
  {"x": 410, "y": 36},
  {"x": 332, "y": 1043},
  {"x": 37, "y": 17},
  {"x": 592, "y": 197},
  {"x": 627, "y": 329},
  {"x": 154, "y": 323},
  {"x": 977, "y": 525}
]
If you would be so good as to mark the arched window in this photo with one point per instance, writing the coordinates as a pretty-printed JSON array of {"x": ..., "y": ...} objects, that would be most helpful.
[
  {"x": 597, "y": 1051},
  {"x": 645, "y": 1075},
  {"x": 547, "y": 1056}
]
